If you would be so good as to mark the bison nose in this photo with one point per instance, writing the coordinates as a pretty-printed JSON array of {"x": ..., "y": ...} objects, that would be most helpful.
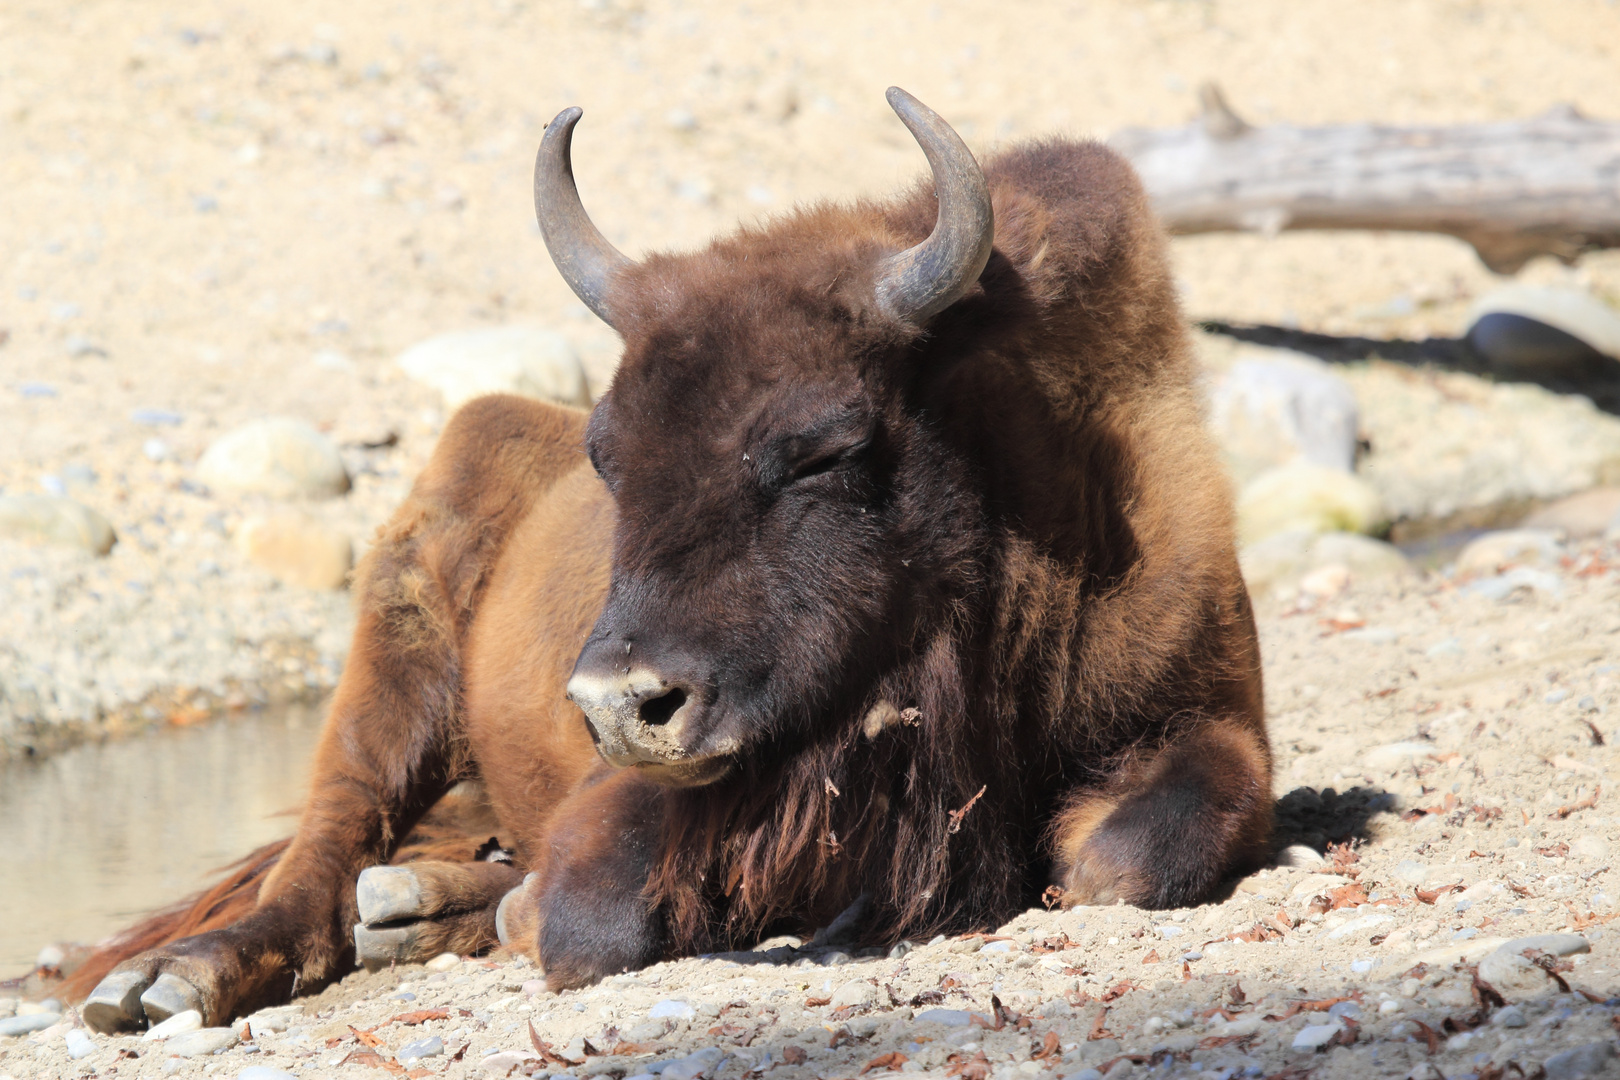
[{"x": 635, "y": 716}]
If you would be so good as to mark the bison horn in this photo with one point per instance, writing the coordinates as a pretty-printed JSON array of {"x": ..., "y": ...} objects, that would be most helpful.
[
  {"x": 919, "y": 283},
  {"x": 583, "y": 255}
]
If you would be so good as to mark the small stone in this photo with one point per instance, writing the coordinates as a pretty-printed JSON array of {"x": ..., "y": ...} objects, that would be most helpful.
[
  {"x": 1360, "y": 925},
  {"x": 1278, "y": 407},
  {"x": 646, "y": 1031},
  {"x": 504, "y": 1062},
  {"x": 178, "y": 1024},
  {"x": 1591, "y": 1060},
  {"x": 413, "y": 1052},
  {"x": 1509, "y": 1016},
  {"x": 1590, "y": 846},
  {"x": 27, "y": 1024},
  {"x": 51, "y": 519},
  {"x": 443, "y": 962},
  {"x": 1515, "y": 976},
  {"x": 1300, "y": 857},
  {"x": 273, "y": 1020},
  {"x": 1306, "y": 497},
  {"x": 1389, "y": 1007},
  {"x": 1496, "y": 551},
  {"x": 671, "y": 1009},
  {"x": 531, "y": 987},
  {"x": 1315, "y": 1035},
  {"x": 157, "y": 417},
  {"x": 945, "y": 1017},
  {"x": 1580, "y": 516},
  {"x": 1285, "y": 561},
  {"x": 297, "y": 549},
  {"x": 510, "y": 360},
  {"x": 1412, "y": 872},
  {"x": 856, "y": 992},
  {"x": 79, "y": 1045},
  {"x": 277, "y": 456},
  {"x": 698, "y": 1063},
  {"x": 996, "y": 947},
  {"x": 201, "y": 1042}
]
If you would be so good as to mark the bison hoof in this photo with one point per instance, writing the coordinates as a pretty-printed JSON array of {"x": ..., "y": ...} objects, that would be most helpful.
[
  {"x": 386, "y": 893},
  {"x": 170, "y": 995},
  {"x": 375, "y": 947},
  {"x": 115, "y": 1004},
  {"x": 502, "y": 910}
]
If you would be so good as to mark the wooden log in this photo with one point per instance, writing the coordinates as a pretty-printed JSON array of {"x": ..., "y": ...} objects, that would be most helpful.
[{"x": 1513, "y": 190}]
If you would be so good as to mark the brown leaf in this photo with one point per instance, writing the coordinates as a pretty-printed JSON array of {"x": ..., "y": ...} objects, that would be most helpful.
[
  {"x": 1098, "y": 1031},
  {"x": 1050, "y": 1047},
  {"x": 1117, "y": 991},
  {"x": 365, "y": 1037},
  {"x": 1553, "y": 851},
  {"x": 1346, "y": 1035},
  {"x": 1597, "y": 736},
  {"x": 1052, "y": 897},
  {"x": 892, "y": 1060},
  {"x": 975, "y": 1068},
  {"x": 794, "y": 1055},
  {"x": 420, "y": 1016},
  {"x": 1347, "y": 896},
  {"x": 1235, "y": 995},
  {"x": 1320, "y": 1005},
  {"x": 547, "y": 1054},
  {"x": 1429, "y": 896},
  {"x": 1579, "y": 804},
  {"x": 621, "y": 1048},
  {"x": 374, "y": 1060},
  {"x": 1215, "y": 1042},
  {"x": 816, "y": 1003},
  {"x": 1152, "y": 957},
  {"x": 1430, "y": 1036}
]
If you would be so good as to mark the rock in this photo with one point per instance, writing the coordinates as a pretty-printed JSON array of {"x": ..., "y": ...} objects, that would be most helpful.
[
  {"x": 698, "y": 1063},
  {"x": 413, "y": 1052},
  {"x": 671, "y": 1009},
  {"x": 264, "y": 1072},
  {"x": 1593, "y": 1059},
  {"x": 277, "y": 456},
  {"x": 510, "y": 360},
  {"x": 1578, "y": 517},
  {"x": 1314, "y": 1036},
  {"x": 27, "y": 1024},
  {"x": 1278, "y": 409},
  {"x": 1590, "y": 846},
  {"x": 1509, "y": 1016},
  {"x": 1359, "y": 925},
  {"x": 1087, "y": 1073},
  {"x": 1393, "y": 756},
  {"x": 178, "y": 1024},
  {"x": 1308, "y": 497},
  {"x": 274, "y": 1020},
  {"x": 297, "y": 549},
  {"x": 1544, "y": 330},
  {"x": 853, "y": 993},
  {"x": 79, "y": 1045},
  {"x": 996, "y": 947},
  {"x": 52, "y": 519},
  {"x": 443, "y": 962},
  {"x": 646, "y": 1031},
  {"x": 201, "y": 1042},
  {"x": 1515, "y": 976},
  {"x": 1282, "y": 563},
  {"x": 504, "y": 1062},
  {"x": 947, "y": 1017},
  {"x": 1411, "y": 872},
  {"x": 1496, "y": 551},
  {"x": 1300, "y": 857},
  {"x": 8, "y": 1007}
]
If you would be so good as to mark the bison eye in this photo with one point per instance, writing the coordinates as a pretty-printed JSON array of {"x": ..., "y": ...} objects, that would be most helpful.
[{"x": 825, "y": 460}]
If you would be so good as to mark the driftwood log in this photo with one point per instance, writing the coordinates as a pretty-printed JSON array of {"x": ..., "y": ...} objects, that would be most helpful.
[{"x": 1514, "y": 190}]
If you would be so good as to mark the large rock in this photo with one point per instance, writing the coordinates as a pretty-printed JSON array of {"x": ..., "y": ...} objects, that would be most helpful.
[
  {"x": 1590, "y": 513},
  {"x": 1544, "y": 330},
  {"x": 52, "y": 519},
  {"x": 277, "y": 456},
  {"x": 1497, "y": 551},
  {"x": 1308, "y": 498},
  {"x": 297, "y": 549},
  {"x": 1279, "y": 565},
  {"x": 1278, "y": 409},
  {"x": 509, "y": 360},
  {"x": 1515, "y": 976}
]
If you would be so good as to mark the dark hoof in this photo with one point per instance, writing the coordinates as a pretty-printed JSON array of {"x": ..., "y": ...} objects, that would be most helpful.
[
  {"x": 169, "y": 995},
  {"x": 377, "y": 947},
  {"x": 115, "y": 1004}
]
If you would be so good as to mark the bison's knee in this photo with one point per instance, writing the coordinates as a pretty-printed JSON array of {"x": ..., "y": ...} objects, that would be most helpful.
[{"x": 1169, "y": 829}]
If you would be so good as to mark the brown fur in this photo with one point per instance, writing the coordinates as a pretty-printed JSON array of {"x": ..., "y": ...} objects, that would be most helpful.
[{"x": 1031, "y": 554}]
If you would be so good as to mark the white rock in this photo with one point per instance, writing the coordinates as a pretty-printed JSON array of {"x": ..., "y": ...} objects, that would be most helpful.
[
  {"x": 444, "y": 962},
  {"x": 502, "y": 1063},
  {"x": 277, "y": 456},
  {"x": 178, "y": 1024},
  {"x": 671, "y": 1009},
  {"x": 696, "y": 1064},
  {"x": 1277, "y": 409},
  {"x": 1574, "y": 311},
  {"x": 297, "y": 548},
  {"x": 1590, "y": 846},
  {"x": 854, "y": 992},
  {"x": 1360, "y": 925},
  {"x": 1316, "y": 1035},
  {"x": 1300, "y": 856},
  {"x": 1496, "y": 551},
  {"x": 1593, "y": 1060},
  {"x": 1411, "y": 871},
  {"x": 79, "y": 1045},
  {"x": 1515, "y": 976},
  {"x": 510, "y": 360},
  {"x": 201, "y": 1042},
  {"x": 1311, "y": 498},
  {"x": 1393, "y": 756},
  {"x": 56, "y": 520},
  {"x": 1589, "y": 513}
]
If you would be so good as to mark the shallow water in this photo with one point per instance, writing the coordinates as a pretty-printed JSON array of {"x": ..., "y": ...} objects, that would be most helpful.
[{"x": 95, "y": 836}]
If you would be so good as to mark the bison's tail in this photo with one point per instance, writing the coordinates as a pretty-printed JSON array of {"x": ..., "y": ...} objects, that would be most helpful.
[{"x": 226, "y": 901}]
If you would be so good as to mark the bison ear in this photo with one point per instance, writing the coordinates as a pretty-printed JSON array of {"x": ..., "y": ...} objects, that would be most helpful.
[
  {"x": 917, "y": 284},
  {"x": 583, "y": 255}
]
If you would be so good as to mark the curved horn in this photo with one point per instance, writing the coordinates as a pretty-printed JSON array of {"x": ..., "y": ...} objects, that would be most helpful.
[
  {"x": 919, "y": 283},
  {"x": 583, "y": 255}
]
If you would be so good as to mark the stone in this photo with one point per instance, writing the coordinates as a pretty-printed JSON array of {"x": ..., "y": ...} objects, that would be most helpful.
[
  {"x": 1590, "y": 846},
  {"x": 946, "y": 1017},
  {"x": 504, "y": 1062},
  {"x": 277, "y": 456},
  {"x": 178, "y": 1024},
  {"x": 1497, "y": 551},
  {"x": 1509, "y": 1016},
  {"x": 79, "y": 1045},
  {"x": 8, "y": 1007},
  {"x": 297, "y": 549},
  {"x": 696, "y": 1064},
  {"x": 646, "y": 1031},
  {"x": 1276, "y": 409},
  {"x": 1087, "y": 1073},
  {"x": 1580, "y": 516},
  {"x": 412, "y": 1052},
  {"x": 1393, "y": 756},
  {"x": 1300, "y": 857},
  {"x": 1411, "y": 872},
  {"x": 27, "y": 1024},
  {"x": 1314, "y": 1036},
  {"x": 671, "y": 1009},
  {"x": 1542, "y": 329},
  {"x": 274, "y": 1020},
  {"x": 1359, "y": 925},
  {"x": 856, "y": 992},
  {"x": 1282, "y": 563},
  {"x": 1513, "y": 974},
  {"x": 444, "y": 962},
  {"x": 201, "y": 1042},
  {"x": 1308, "y": 497},
  {"x": 1593, "y": 1059},
  {"x": 55, "y": 520},
  {"x": 520, "y": 360}
]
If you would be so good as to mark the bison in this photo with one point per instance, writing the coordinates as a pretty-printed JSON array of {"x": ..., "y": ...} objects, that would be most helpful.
[{"x": 893, "y": 570}]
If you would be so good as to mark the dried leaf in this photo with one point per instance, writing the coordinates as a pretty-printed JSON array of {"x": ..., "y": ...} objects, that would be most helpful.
[
  {"x": 1098, "y": 1031},
  {"x": 1152, "y": 957},
  {"x": 794, "y": 1055},
  {"x": 365, "y": 1037},
  {"x": 956, "y": 816},
  {"x": 1051, "y": 1047},
  {"x": 1579, "y": 804},
  {"x": 420, "y": 1016},
  {"x": 816, "y": 1003},
  {"x": 892, "y": 1060},
  {"x": 1430, "y": 1036},
  {"x": 1429, "y": 896}
]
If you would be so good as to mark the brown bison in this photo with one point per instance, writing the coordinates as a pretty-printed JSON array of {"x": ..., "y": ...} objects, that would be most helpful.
[{"x": 895, "y": 566}]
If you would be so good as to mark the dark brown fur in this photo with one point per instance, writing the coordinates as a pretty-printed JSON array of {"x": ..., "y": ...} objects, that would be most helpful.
[{"x": 1032, "y": 555}]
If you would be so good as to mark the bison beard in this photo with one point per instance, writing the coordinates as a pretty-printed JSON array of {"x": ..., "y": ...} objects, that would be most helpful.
[{"x": 902, "y": 569}]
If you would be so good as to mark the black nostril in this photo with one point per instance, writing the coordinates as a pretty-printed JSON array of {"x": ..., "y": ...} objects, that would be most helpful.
[{"x": 658, "y": 710}]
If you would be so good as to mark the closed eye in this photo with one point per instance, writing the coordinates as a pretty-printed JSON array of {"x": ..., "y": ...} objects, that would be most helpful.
[{"x": 835, "y": 458}]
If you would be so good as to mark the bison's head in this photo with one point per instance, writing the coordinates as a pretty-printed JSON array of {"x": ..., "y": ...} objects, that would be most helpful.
[{"x": 785, "y": 522}]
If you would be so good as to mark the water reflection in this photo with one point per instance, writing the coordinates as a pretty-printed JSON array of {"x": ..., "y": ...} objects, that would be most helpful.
[{"x": 95, "y": 836}]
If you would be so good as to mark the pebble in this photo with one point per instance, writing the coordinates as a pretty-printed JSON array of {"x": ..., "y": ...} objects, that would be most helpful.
[
  {"x": 1577, "y": 517},
  {"x": 201, "y": 1042},
  {"x": 1316, "y": 1035},
  {"x": 178, "y": 1024},
  {"x": 1275, "y": 407},
  {"x": 1498, "y": 550},
  {"x": 946, "y": 1017},
  {"x": 1411, "y": 871},
  {"x": 693, "y": 1065},
  {"x": 858, "y": 992},
  {"x": 1307, "y": 497},
  {"x": 277, "y": 456},
  {"x": 444, "y": 962},
  {"x": 520, "y": 360},
  {"x": 671, "y": 1009},
  {"x": 996, "y": 947},
  {"x": 79, "y": 1045},
  {"x": 1593, "y": 1059},
  {"x": 55, "y": 520},
  {"x": 413, "y": 1052},
  {"x": 1300, "y": 857},
  {"x": 297, "y": 549},
  {"x": 264, "y": 1072},
  {"x": 1514, "y": 976},
  {"x": 1359, "y": 925},
  {"x": 28, "y": 1024},
  {"x": 1085, "y": 1074},
  {"x": 1509, "y": 1016},
  {"x": 504, "y": 1062}
]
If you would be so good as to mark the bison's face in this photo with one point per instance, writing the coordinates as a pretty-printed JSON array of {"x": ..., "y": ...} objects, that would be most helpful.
[
  {"x": 784, "y": 519},
  {"x": 768, "y": 472}
]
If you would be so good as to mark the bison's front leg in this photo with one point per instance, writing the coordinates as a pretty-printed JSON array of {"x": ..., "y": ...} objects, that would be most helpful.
[
  {"x": 584, "y": 914},
  {"x": 1171, "y": 824}
]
